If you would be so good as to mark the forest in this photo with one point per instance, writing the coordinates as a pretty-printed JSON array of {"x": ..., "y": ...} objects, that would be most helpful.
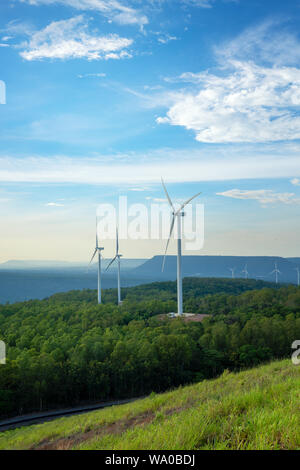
[{"x": 67, "y": 350}]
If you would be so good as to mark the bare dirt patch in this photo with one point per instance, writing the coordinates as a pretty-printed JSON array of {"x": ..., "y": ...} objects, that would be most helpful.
[
  {"x": 118, "y": 427},
  {"x": 198, "y": 317}
]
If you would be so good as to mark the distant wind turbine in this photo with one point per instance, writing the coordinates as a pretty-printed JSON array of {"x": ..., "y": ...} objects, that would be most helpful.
[
  {"x": 118, "y": 258},
  {"x": 298, "y": 276},
  {"x": 276, "y": 271},
  {"x": 245, "y": 271},
  {"x": 232, "y": 272},
  {"x": 98, "y": 250},
  {"x": 177, "y": 214}
]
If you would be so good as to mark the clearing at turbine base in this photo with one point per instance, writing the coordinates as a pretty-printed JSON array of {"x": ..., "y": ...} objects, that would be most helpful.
[
  {"x": 98, "y": 250},
  {"x": 117, "y": 257},
  {"x": 177, "y": 214}
]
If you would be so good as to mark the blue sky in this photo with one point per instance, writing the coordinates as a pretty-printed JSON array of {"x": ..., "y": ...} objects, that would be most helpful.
[{"x": 103, "y": 97}]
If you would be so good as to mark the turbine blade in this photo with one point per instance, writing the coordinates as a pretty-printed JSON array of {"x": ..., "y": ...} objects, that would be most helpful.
[
  {"x": 167, "y": 194},
  {"x": 97, "y": 242},
  {"x": 188, "y": 201},
  {"x": 111, "y": 263},
  {"x": 117, "y": 242},
  {"x": 96, "y": 249},
  {"x": 170, "y": 234}
]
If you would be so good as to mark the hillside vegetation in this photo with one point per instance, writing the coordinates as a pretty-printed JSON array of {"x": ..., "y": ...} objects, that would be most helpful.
[
  {"x": 254, "y": 409},
  {"x": 68, "y": 350}
]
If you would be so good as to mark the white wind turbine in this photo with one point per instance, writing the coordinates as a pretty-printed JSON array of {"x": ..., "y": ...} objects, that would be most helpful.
[
  {"x": 245, "y": 271},
  {"x": 98, "y": 250},
  {"x": 118, "y": 258},
  {"x": 177, "y": 214},
  {"x": 276, "y": 271},
  {"x": 298, "y": 275},
  {"x": 232, "y": 270}
]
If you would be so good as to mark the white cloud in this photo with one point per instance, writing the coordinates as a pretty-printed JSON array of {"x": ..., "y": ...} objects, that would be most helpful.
[
  {"x": 263, "y": 196},
  {"x": 199, "y": 3},
  {"x": 156, "y": 199},
  {"x": 295, "y": 181},
  {"x": 54, "y": 204},
  {"x": 16, "y": 28},
  {"x": 145, "y": 169},
  {"x": 250, "y": 104},
  {"x": 164, "y": 39},
  {"x": 112, "y": 9},
  {"x": 244, "y": 101},
  {"x": 267, "y": 43},
  {"x": 68, "y": 39},
  {"x": 92, "y": 75}
]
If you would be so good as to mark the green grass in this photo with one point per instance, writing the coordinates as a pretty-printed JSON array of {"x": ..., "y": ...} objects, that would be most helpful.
[{"x": 254, "y": 409}]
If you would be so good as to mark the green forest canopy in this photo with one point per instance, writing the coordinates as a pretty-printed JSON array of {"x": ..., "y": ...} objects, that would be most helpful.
[{"x": 67, "y": 349}]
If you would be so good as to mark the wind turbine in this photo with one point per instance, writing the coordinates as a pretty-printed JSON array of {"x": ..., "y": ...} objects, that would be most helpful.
[
  {"x": 232, "y": 272},
  {"x": 298, "y": 276},
  {"x": 118, "y": 258},
  {"x": 98, "y": 250},
  {"x": 177, "y": 214},
  {"x": 276, "y": 271},
  {"x": 245, "y": 271}
]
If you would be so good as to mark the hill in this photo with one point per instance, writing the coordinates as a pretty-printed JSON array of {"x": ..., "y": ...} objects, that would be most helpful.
[
  {"x": 259, "y": 267},
  {"x": 254, "y": 409},
  {"x": 127, "y": 263},
  {"x": 195, "y": 287},
  {"x": 67, "y": 350}
]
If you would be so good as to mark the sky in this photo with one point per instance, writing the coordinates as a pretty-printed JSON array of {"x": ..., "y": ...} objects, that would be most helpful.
[{"x": 105, "y": 97}]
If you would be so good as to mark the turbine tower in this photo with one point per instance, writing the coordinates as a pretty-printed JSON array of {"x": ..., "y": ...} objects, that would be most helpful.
[
  {"x": 245, "y": 271},
  {"x": 232, "y": 270},
  {"x": 98, "y": 250},
  {"x": 177, "y": 214},
  {"x": 118, "y": 258},
  {"x": 276, "y": 271},
  {"x": 298, "y": 275}
]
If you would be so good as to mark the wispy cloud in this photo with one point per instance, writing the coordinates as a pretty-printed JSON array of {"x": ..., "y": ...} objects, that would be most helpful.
[
  {"x": 70, "y": 38},
  {"x": 92, "y": 75},
  {"x": 112, "y": 9},
  {"x": 54, "y": 204},
  {"x": 165, "y": 38},
  {"x": 245, "y": 101},
  {"x": 263, "y": 196},
  {"x": 199, "y": 3},
  {"x": 144, "y": 169},
  {"x": 266, "y": 43}
]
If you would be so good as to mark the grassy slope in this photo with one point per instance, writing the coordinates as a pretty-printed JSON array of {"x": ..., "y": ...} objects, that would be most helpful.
[{"x": 254, "y": 409}]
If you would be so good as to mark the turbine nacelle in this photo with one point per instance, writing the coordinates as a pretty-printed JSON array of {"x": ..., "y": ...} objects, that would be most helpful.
[{"x": 175, "y": 213}]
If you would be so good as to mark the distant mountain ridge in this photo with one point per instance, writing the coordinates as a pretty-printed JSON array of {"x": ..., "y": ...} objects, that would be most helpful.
[
  {"x": 127, "y": 263},
  {"x": 259, "y": 267}
]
